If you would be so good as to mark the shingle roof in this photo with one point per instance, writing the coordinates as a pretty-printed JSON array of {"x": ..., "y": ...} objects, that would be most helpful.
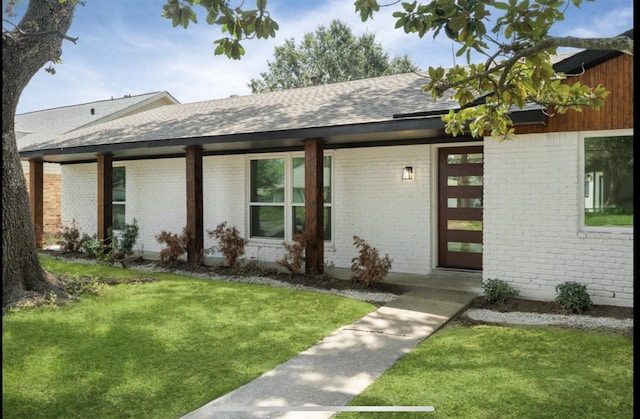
[
  {"x": 339, "y": 104},
  {"x": 44, "y": 125},
  {"x": 340, "y": 112}
]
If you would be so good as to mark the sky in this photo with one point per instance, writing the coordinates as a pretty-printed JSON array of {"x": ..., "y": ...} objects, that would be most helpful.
[{"x": 126, "y": 48}]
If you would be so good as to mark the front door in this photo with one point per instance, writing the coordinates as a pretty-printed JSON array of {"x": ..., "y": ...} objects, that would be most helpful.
[{"x": 460, "y": 207}]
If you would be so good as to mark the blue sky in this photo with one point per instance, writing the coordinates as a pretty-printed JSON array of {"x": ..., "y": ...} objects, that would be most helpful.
[{"x": 125, "y": 47}]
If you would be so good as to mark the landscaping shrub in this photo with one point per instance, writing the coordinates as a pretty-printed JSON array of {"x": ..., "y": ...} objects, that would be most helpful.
[
  {"x": 71, "y": 240},
  {"x": 498, "y": 291},
  {"x": 294, "y": 256},
  {"x": 368, "y": 267},
  {"x": 230, "y": 243},
  {"x": 573, "y": 296},
  {"x": 128, "y": 239},
  {"x": 176, "y": 245}
]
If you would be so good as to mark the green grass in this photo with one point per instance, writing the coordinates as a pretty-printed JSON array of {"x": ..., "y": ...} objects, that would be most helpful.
[
  {"x": 155, "y": 350},
  {"x": 509, "y": 372},
  {"x": 605, "y": 219}
]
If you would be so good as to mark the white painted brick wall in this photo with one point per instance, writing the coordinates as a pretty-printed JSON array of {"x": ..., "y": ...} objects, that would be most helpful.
[
  {"x": 79, "y": 199},
  {"x": 156, "y": 198},
  {"x": 532, "y": 237},
  {"x": 374, "y": 203}
]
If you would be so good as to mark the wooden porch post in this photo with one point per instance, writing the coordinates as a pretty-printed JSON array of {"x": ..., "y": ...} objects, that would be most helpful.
[
  {"x": 314, "y": 205},
  {"x": 105, "y": 195},
  {"x": 36, "y": 195},
  {"x": 195, "y": 217}
]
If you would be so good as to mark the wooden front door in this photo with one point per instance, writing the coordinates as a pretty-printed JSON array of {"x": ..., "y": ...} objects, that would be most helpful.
[{"x": 460, "y": 180}]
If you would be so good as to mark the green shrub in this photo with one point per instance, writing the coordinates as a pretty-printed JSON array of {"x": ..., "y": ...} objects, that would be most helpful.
[
  {"x": 78, "y": 285},
  {"x": 128, "y": 238},
  {"x": 498, "y": 291},
  {"x": 573, "y": 296},
  {"x": 368, "y": 266}
]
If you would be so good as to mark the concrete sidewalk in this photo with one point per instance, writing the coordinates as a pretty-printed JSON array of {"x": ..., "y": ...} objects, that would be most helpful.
[{"x": 343, "y": 364}]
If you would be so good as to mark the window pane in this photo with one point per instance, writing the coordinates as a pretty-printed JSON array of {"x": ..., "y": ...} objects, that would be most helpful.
[
  {"x": 298, "y": 221},
  {"x": 298, "y": 180},
  {"x": 119, "y": 184},
  {"x": 267, "y": 221},
  {"x": 118, "y": 216},
  {"x": 267, "y": 180},
  {"x": 326, "y": 180},
  {"x": 608, "y": 183}
]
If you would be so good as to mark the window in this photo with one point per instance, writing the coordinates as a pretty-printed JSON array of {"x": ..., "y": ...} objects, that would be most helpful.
[
  {"x": 608, "y": 181},
  {"x": 119, "y": 197},
  {"x": 277, "y": 195}
]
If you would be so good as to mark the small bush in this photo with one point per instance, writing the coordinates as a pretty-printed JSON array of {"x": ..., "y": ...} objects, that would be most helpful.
[
  {"x": 230, "y": 243},
  {"x": 128, "y": 238},
  {"x": 176, "y": 245},
  {"x": 81, "y": 285},
  {"x": 368, "y": 267},
  {"x": 71, "y": 240},
  {"x": 294, "y": 256},
  {"x": 573, "y": 296},
  {"x": 498, "y": 291}
]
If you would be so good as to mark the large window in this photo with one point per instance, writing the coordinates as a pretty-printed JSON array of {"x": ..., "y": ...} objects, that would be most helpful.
[
  {"x": 119, "y": 197},
  {"x": 608, "y": 181},
  {"x": 277, "y": 195}
]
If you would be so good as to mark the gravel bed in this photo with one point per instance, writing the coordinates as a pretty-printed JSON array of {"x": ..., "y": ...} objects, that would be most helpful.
[
  {"x": 372, "y": 297},
  {"x": 537, "y": 319},
  {"x": 514, "y": 317}
]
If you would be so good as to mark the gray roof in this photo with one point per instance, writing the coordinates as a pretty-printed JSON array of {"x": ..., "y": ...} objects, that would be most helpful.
[
  {"x": 41, "y": 126},
  {"x": 391, "y": 109}
]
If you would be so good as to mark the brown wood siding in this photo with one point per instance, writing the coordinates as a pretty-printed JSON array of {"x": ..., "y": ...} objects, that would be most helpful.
[{"x": 616, "y": 75}]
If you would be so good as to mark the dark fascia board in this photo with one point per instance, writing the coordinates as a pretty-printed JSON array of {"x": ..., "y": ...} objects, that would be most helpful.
[
  {"x": 355, "y": 129},
  {"x": 346, "y": 145}
]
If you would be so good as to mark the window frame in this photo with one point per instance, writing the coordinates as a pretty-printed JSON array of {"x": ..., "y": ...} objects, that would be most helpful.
[
  {"x": 582, "y": 192},
  {"x": 288, "y": 195}
]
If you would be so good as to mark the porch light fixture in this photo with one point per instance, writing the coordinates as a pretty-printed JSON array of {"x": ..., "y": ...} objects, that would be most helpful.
[{"x": 407, "y": 173}]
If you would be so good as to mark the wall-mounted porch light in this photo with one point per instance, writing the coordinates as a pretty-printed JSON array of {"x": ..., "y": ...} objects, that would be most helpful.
[{"x": 407, "y": 173}]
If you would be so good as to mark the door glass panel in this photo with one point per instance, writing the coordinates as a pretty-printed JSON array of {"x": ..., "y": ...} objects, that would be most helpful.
[
  {"x": 464, "y": 158},
  {"x": 464, "y": 225},
  {"x": 464, "y": 180},
  {"x": 464, "y": 247},
  {"x": 464, "y": 202}
]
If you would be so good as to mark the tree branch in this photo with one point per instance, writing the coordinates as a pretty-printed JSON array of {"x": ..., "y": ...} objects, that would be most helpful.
[{"x": 619, "y": 43}]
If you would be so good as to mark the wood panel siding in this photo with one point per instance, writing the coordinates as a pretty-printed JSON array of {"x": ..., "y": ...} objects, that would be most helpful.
[{"x": 616, "y": 75}]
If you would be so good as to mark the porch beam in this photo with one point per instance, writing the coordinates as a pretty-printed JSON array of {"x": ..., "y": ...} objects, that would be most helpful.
[
  {"x": 314, "y": 204},
  {"x": 36, "y": 195},
  {"x": 105, "y": 196},
  {"x": 195, "y": 223}
]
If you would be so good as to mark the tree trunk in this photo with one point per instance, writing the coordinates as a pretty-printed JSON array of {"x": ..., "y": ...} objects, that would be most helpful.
[{"x": 25, "y": 50}]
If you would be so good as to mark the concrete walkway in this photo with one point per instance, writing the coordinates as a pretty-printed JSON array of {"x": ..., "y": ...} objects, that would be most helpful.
[{"x": 343, "y": 364}]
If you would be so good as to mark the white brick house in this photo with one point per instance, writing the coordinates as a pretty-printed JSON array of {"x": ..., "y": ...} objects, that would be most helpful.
[{"x": 516, "y": 210}]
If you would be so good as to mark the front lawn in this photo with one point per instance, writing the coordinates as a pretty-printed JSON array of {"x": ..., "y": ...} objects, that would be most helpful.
[
  {"x": 155, "y": 350},
  {"x": 509, "y": 372}
]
